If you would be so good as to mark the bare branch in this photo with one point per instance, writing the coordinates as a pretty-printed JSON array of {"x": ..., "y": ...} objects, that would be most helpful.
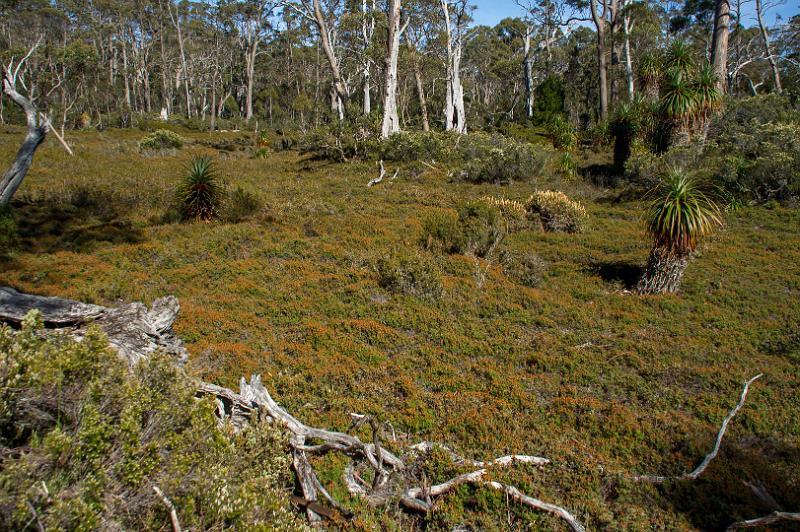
[
  {"x": 173, "y": 515},
  {"x": 766, "y": 520}
]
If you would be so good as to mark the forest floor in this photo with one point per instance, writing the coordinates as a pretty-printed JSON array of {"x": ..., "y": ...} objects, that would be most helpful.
[{"x": 603, "y": 382}]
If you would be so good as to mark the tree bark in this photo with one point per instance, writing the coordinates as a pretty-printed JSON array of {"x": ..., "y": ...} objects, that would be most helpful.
[
  {"x": 455, "y": 113},
  {"x": 664, "y": 272},
  {"x": 719, "y": 44},
  {"x": 527, "y": 66},
  {"x": 37, "y": 131},
  {"x": 627, "y": 26},
  {"x": 423, "y": 103},
  {"x": 327, "y": 46},
  {"x": 602, "y": 67},
  {"x": 776, "y": 75},
  {"x": 391, "y": 120}
]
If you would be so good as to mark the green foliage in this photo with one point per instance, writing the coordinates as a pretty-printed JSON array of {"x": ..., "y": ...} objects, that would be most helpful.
[
  {"x": 410, "y": 273},
  {"x": 162, "y": 139},
  {"x": 477, "y": 230},
  {"x": 200, "y": 195},
  {"x": 549, "y": 100},
  {"x": 414, "y": 146},
  {"x": 754, "y": 151},
  {"x": 240, "y": 205},
  {"x": 87, "y": 440},
  {"x": 568, "y": 165},
  {"x": 678, "y": 99},
  {"x": 557, "y": 212},
  {"x": 562, "y": 133},
  {"x": 342, "y": 141},
  {"x": 679, "y": 59},
  {"x": 8, "y": 230},
  {"x": 524, "y": 267},
  {"x": 498, "y": 159},
  {"x": 680, "y": 214},
  {"x": 650, "y": 72}
]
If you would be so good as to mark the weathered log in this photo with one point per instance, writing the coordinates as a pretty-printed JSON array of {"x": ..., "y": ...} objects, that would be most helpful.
[{"x": 135, "y": 331}]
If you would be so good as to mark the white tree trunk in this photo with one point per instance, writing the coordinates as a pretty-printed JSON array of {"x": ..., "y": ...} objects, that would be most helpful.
[
  {"x": 391, "y": 120},
  {"x": 527, "y": 66},
  {"x": 627, "y": 27},
  {"x": 776, "y": 75},
  {"x": 455, "y": 116}
]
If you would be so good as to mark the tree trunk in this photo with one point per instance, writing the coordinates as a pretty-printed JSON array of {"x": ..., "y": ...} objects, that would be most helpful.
[
  {"x": 13, "y": 177},
  {"x": 719, "y": 44},
  {"x": 423, "y": 104},
  {"x": 391, "y": 120},
  {"x": 527, "y": 66},
  {"x": 627, "y": 27},
  {"x": 776, "y": 75},
  {"x": 664, "y": 272},
  {"x": 327, "y": 47},
  {"x": 602, "y": 68}
]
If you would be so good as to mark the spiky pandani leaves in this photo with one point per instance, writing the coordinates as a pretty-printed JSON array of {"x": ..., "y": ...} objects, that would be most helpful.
[
  {"x": 200, "y": 195},
  {"x": 651, "y": 72},
  {"x": 680, "y": 58},
  {"x": 679, "y": 99},
  {"x": 680, "y": 214},
  {"x": 709, "y": 99}
]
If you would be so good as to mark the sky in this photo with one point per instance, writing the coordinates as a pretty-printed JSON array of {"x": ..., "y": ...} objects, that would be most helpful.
[{"x": 490, "y": 12}]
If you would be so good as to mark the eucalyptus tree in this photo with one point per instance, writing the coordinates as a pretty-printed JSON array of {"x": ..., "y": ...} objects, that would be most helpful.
[{"x": 456, "y": 15}]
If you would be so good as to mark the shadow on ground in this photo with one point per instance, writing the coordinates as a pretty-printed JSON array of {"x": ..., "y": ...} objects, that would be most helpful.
[
  {"x": 43, "y": 227},
  {"x": 749, "y": 479},
  {"x": 625, "y": 273}
]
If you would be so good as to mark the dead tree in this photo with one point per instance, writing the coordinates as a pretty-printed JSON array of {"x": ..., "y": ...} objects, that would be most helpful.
[{"x": 38, "y": 126}]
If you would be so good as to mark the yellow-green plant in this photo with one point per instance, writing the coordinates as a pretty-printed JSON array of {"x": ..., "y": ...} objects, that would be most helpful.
[{"x": 557, "y": 212}]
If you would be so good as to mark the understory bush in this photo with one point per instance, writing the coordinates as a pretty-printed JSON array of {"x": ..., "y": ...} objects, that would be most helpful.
[
  {"x": 162, "y": 139},
  {"x": 557, "y": 212},
  {"x": 477, "y": 229},
  {"x": 755, "y": 148},
  {"x": 414, "y": 146},
  {"x": 240, "y": 205},
  {"x": 498, "y": 159},
  {"x": 524, "y": 267},
  {"x": 8, "y": 230},
  {"x": 410, "y": 273},
  {"x": 86, "y": 440}
]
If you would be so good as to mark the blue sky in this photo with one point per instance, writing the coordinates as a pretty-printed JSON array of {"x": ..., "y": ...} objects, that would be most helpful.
[{"x": 490, "y": 12}]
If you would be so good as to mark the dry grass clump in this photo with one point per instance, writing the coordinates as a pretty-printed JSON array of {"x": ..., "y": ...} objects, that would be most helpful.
[{"x": 557, "y": 212}]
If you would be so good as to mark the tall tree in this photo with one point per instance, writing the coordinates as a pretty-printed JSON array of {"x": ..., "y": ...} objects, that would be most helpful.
[{"x": 719, "y": 43}]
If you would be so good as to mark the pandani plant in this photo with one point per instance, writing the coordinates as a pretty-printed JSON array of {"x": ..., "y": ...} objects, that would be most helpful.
[
  {"x": 680, "y": 214},
  {"x": 200, "y": 195},
  {"x": 650, "y": 75}
]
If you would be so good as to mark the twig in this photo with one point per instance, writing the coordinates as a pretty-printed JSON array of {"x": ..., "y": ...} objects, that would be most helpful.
[
  {"x": 173, "y": 515},
  {"x": 50, "y": 127},
  {"x": 713, "y": 454}
]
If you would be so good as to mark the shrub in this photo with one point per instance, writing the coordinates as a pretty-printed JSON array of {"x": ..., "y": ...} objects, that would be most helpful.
[
  {"x": 524, "y": 267},
  {"x": 162, "y": 139},
  {"x": 412, "y": 274},
  {"x": 8, "y": 230},
  {"x": 562, "y": 133},
  {"x": 557, "y": 212},
  {"x": 512, "y": 211},
  {"x": 86, "y": 439},
  {"x": 200, "y": 196},
  {"x": 240, "y": 205},
  {"x": 413, "y": 146},
  {"x": 477, "y": 230},
  {"x": 441, "y": 232},
  {"x": 498, "y": 159},
  {"x": 568, "y": 165},
  {"x": 341, "y": 141}
]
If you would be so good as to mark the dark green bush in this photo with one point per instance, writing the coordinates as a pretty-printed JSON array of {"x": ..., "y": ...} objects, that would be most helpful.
[
  {"x": 86, "y": 439},
  {"x": 524, "y": 267},
  {"x": 162, "y": 139},
  {"x": 8, "y": 230},
  {"x": 240, "y": 205},
  {"x": 477, "y": 230},
  {"x": 498, "y": 159},
  {"x": 414, "y": 146},
  {"x": 413, "y": 274}
]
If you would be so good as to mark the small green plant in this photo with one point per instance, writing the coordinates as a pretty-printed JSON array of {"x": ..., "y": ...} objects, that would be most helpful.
[
  {"x": 240, "y": 205},
  {"x": 563, "y": 134},
  {"x": 162, "y": 139},
  {"x": 8, "y": 230},
  {"x": 524, "y": 267},
  {"x": 477, "y": 230},
  {"x": 568, "y": 165},
  {"x": 557, "y": 212},
  {"x": 413, "y": 274},
  {"x": 200, "y": 195},
  {"x": 678, "y": 217}
]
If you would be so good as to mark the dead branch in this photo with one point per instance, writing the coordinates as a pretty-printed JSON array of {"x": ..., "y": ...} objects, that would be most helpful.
[
  {"x": 692, "y": 475},
  {"x": 173, "y": 515},
  {"x": 766, "y": 520},
  {"x": 382, "y": 175}
]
